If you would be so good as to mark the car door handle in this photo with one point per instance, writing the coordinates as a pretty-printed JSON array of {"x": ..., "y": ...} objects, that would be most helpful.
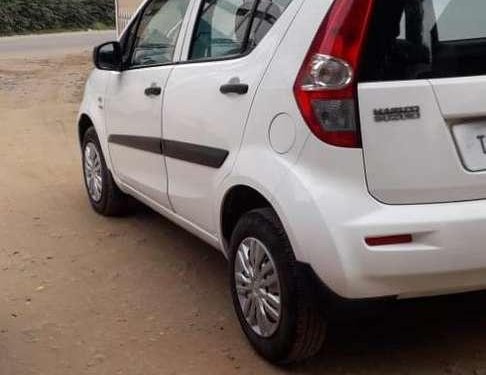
[
  {"x": 153, "y": 91},
  {"x": 234, "y": 88}
]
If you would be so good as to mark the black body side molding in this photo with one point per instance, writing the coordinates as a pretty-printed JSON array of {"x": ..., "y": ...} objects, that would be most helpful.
[
  {"x": 196, "y": 154},
  {"x": 189, "y": 152},
  {"x": 148, "y": 144}
]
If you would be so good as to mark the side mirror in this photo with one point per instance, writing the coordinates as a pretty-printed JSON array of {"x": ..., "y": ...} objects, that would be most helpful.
[{"x": 108, "y": 56}]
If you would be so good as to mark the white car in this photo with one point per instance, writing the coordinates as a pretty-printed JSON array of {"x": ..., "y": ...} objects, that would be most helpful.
[{"x": 330, "y": 149}]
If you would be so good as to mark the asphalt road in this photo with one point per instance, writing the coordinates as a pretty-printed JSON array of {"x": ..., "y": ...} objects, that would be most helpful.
[{"x": 52, "y": 44}]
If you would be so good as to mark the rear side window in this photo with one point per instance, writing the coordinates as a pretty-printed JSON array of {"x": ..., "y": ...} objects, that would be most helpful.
[
  {"x": 232, "y": 27},
  {"x": 421, "y": 39},
  {"x": 267, "y": 13}
]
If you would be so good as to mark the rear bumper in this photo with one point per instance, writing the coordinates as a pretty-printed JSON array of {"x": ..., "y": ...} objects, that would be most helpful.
[
  {"x": 332, "y": 213},
  {"x": 447, "y": 255}
]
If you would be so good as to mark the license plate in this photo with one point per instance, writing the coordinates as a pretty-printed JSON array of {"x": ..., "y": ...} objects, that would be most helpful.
[{"x": 471, "y": 143}]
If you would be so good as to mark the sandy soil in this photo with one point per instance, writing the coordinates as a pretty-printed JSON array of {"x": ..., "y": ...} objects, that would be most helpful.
[{"x": 82, "y": 294}]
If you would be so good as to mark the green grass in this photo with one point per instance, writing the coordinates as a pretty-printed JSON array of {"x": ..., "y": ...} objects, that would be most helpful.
[{"x": 37, "y": 16}]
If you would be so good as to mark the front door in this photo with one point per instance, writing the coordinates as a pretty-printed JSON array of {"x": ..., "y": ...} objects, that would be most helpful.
[{"x": 134, "y": 97}]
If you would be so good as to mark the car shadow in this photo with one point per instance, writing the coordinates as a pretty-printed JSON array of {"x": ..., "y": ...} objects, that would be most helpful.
[
  {"x": 419, "y": 336},
  {"x": 427, "y": 335}
]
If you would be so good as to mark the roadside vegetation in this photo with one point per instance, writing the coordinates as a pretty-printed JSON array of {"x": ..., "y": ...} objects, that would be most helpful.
[{"x": 31, "y": 16}]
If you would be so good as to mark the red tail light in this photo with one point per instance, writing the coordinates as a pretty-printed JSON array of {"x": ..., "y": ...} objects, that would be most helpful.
[{"x": 326, "y": 88}]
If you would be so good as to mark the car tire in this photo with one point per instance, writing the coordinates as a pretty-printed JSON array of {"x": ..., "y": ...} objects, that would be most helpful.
[
  {"x": 299, "y": 331},
  {"x": 104, "y": 195}
]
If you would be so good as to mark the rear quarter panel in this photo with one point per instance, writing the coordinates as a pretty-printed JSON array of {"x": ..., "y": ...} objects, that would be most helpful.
[{"x": 258, "y": 165}]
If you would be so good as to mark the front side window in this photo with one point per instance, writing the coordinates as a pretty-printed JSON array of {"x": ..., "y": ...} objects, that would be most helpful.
[
  {"x": 158, "y": 32},
  {"x": 421, "y": 39},
  {"x": 232, "y": 27}
]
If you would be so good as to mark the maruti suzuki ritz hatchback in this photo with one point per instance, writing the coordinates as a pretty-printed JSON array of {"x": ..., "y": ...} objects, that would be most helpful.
[{"x": 319, "y": 144}]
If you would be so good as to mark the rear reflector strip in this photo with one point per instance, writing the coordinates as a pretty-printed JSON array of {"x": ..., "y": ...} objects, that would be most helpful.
[{"x": 389, "y": 240}]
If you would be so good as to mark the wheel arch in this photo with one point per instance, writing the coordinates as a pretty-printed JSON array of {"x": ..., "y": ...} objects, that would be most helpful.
[
  {"x": 87, "y": 119},
  {"x": 240, "y": 199},
  {"x": 84, "y": 123}
]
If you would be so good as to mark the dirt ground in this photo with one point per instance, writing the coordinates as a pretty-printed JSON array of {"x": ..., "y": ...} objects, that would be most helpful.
[{"x": 82, "y": 294}]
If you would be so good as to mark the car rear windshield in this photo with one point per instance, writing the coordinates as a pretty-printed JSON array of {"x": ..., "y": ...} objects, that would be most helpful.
[{"x": 420, "y": 39}]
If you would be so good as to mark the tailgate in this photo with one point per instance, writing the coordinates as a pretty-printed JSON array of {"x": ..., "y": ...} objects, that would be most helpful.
[{"x": 422, "y": 101}]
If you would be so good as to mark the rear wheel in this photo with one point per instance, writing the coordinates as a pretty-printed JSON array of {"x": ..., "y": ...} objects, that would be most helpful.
[
  {"x": 105, "y": 197},
  {"x": 273, "y": 298}
]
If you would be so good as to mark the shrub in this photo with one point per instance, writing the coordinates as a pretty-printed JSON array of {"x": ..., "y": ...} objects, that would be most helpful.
[{"x": 23, "y": 16}]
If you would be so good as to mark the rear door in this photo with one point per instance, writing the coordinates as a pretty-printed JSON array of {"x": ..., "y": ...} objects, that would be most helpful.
[
  {"x": 208, "y": 98},
  {"x": 422, "y": 101}
]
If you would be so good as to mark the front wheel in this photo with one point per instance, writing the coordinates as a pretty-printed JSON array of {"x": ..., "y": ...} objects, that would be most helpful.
[
  {"x": 103, "y": 193},
  {"x": 273, "y": 298}
]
